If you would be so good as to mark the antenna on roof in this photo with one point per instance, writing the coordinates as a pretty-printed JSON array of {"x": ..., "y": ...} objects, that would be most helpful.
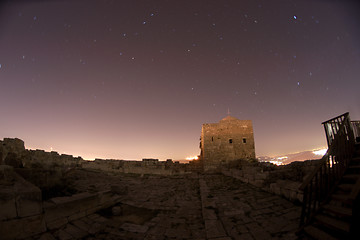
[{"x": 228, "y": 112}]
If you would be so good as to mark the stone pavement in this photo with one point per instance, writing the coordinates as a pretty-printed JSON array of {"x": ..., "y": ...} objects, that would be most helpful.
[
  {"x": 184, "y": 207},
  {"x": 236, "y": 210}
]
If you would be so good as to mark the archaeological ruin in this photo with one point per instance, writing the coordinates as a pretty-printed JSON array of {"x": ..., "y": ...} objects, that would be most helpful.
[
  {"x": 225, "y": 141},
  {"x": 48, "y": 196}
]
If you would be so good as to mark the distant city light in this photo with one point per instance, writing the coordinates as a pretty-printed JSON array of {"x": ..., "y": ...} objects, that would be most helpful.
[
  {"x": 192, "y": 158},
  {"x": 278, "y": 163}
]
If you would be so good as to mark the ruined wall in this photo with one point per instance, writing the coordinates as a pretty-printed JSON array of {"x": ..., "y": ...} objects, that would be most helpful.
[
  {"x": 23, "y": 213},
  {"x": 228, "y": 140},
  {"x": 147, "y": 166},
  {"x": 281, "y": 180},
  {"x": 13, "y": 153},
  {"x": 11, "y": 150}
]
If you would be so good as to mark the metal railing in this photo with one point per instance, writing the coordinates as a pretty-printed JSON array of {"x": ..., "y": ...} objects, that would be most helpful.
[
  {"x": 356, "y": 129},
  {"x": 318, "y": 186}
]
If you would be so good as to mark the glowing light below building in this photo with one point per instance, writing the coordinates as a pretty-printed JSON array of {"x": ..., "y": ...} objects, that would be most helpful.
[{"x": 320, "y": 152}]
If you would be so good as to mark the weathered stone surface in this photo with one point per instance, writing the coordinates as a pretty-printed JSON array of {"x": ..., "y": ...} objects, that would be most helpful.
[
  {"x": 7, "y": 206},
  {"x": 22, "y": 228},
  {"x": 214, "y": 229},
  {"x": 116, "y": 211},
  {"x": 57, "y": 223},
  {"x": 209, "y": 214},
  {"x": 134, "y": 228},
  {"x": 47, "y": 236},
  {"x": 62, "y": 235},
  {"x": 82, "y": 225},
  {"x": 75, "y": 232}
]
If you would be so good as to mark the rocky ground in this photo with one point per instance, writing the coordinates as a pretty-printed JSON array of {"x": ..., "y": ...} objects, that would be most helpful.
[{"x": 183, "y": 207}]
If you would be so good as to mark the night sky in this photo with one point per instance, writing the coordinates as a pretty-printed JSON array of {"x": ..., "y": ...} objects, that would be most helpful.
[{"x": 136, "y": 79}]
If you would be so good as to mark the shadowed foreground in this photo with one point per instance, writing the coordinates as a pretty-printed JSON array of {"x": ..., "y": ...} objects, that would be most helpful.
[{"x": 184, "y": 207}]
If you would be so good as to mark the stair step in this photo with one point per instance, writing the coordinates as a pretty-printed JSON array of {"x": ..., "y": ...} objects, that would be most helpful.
[
  {"x": 351, "y": 177},
  {"x": 354, "y": 168},
  {"x": 346, "y": 187},
  {"x": 340, "y": 211},
  {"x": 317, "y": 233},
  {"x": 333, "y": 223},
  {"x": 343, "y": 199}
]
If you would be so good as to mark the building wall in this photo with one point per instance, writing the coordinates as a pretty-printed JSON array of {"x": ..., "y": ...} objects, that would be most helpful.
[{"x": 228, "y": 140}]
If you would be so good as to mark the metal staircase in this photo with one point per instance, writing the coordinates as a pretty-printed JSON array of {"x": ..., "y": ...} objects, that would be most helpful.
[{"x": 331, "y": 193}]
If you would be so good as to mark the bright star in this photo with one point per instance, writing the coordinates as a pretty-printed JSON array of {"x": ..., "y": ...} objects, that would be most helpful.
[{"x": 295, "y": 17}]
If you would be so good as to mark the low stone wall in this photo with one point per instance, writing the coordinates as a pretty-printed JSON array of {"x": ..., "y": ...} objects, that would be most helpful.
[
  {"x": 61, "y": 210},
  {"x": 281, "y": 180},
  {"x": 286, "y": 188},
  {"x": 24, "y": 214},
  {"x": 137, "y": 167}
]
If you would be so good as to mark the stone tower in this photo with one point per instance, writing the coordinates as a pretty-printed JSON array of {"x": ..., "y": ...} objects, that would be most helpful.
[{"x": 228, "y": 140}]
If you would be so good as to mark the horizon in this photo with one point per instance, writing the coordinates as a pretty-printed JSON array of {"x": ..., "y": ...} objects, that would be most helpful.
[{"x": 316, "y": 152}]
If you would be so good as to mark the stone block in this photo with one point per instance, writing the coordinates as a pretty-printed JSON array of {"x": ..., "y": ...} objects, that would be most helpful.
[
  {"x": 82, "y": 225},
  {"x": 62, "y": 235},
  {"x": 130, "y": 227},
  {"x": 70, "y": 206},
  {"x": 28, "y": 199},
  {"x": 47, "y": 236},
  {"x": 56, "y": 224},
  {"x": 259, "y": 183},
  {"x": 75, "y": 232},
  {"x": 214, "y": 229},
  {"x": 118, "y": 189},
  {"x": 261, "y": 176},
  {"x": 22, "y": 228},
  {"x": 34, "y": 225},
  {"x": 116, "y": 211},
  {"x": 104, "y": 196},
  {"x": 209, "y": 214},
  {"x": 7, "y": 207},
  {"x": 26, "y": 207},
  {"x": 77, "y": 216},
  {"x": 275, "y": 188}
]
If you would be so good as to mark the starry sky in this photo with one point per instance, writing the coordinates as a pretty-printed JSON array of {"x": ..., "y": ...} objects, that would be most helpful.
[{"x": 135, "y": 79}]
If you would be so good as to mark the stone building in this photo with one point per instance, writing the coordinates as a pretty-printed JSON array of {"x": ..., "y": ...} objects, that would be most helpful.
[{"x": 228, "y": 140}]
